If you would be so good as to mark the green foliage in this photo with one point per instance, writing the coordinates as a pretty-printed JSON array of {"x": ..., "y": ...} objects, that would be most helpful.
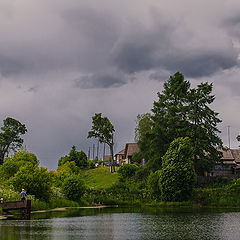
[
  {"x": 182, "y": 111},
  {"x": 127, "y": 171},
  {"x": 91, "y": 164},
  {"x": 36, "y": 181},
  {"x": 153, "y": 184},
  {"x": 177, "y": 177},
  {"x": 17, "y": 160},
  {"x": 66, "y": 170},
  {"x": 10, "y": 139},
  {"x": 143, "y": 127},
  {"x": 73, "y": 188},
  {"x": 103, "y": 130},
  {"x": 80, "y": 158}
]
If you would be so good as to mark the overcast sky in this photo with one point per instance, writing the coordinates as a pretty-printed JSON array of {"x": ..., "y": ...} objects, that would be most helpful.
[{"x": 61, "y": 61}]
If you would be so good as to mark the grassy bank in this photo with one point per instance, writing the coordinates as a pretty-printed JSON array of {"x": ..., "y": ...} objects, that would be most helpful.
[{"x": 99, "y": 178}]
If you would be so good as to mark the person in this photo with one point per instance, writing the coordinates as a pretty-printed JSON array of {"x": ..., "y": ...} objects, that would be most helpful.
[{"x": 23, "y": 195}]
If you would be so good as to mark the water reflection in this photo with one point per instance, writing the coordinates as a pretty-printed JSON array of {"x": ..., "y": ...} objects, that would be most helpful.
[{"x": 125, "y": 223}]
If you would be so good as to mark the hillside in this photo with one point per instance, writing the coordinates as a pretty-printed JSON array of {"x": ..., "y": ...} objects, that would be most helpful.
[{"x": 99, "y": 178}]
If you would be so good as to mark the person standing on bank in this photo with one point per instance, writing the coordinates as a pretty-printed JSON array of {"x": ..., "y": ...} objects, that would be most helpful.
[{"x": 23, "y": 195}]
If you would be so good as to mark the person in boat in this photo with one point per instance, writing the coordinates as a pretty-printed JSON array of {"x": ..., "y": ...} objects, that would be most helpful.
[{"x": 23, "y": 195}]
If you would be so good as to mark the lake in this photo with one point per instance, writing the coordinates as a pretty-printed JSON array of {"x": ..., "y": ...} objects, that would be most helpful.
[{"x": 125, "y": 223}]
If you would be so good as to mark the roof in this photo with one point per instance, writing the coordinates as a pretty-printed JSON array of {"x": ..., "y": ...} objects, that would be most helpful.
[
  {"x": 227, "y": 154},
  {"x": 131, "y": 148},
  {"x": 121, "y": 152},
  {"x": 236, "y": 154}
]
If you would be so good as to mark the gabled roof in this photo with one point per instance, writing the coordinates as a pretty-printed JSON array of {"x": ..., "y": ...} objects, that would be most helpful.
[
  {"x": 236, "y": 154},
  {"x": 121, "y": 152},
  {"x": 131, "y": 148},
  {"x": 227, "y": 155}
]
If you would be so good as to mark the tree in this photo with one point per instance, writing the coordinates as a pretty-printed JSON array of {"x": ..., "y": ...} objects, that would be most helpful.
[
  {"x": 13, "y": 163},
  {"x": 203, "y": 131},
  {"x": 36, "y": 181},
  {"x": 66, "y": 170},
  {"x": 177, "y": 177},
  {"x": 184, "y": 112},
  {"x": 80, "y": 158},
  {"x": 169, "y": 119},
  {"x": 10, "y": 139},
  {"x": 103, "y": 130},
  {"x": 143, "y": 126}
]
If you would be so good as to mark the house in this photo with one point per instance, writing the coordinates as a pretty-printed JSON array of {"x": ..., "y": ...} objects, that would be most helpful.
[
  {"x": 230, "y": 165},
  {"x": 130, "y": 150},
  {"x": 119, "y": 157},
  {"x": 125, "y": 156}
]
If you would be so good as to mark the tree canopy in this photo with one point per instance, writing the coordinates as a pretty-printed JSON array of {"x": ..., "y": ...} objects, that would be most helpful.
[
  {"x": 182, "y": 111},
  {"x": 10, "y": 139},
  {"x": 80, "y": 158}
]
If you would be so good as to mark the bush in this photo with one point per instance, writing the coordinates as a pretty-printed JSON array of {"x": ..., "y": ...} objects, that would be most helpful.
[
  {"x": 66, "y": 170},
  {"x": 177, "y": 177},
  {"x": 36, "y": 181},
  {"x": 73, "y": 188},
  {"x": 153, "y": 186},
  {"x": 12, "y": 164},
  {"x": 127, "y": 171}
]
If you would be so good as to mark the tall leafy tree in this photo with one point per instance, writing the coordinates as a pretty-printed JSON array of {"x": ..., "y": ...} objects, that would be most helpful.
[
  {"x": 10, "y": 137},
  {"x": 203, "y": 131},
  {"x": 169, "y": 118},
  {"x": 103, "y": 130},
  {"x": 184, "y": 112}
]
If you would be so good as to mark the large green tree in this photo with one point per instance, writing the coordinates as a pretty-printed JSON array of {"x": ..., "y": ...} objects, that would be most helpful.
[
  {"x": 182, "y": 111},
  {"x": 10, "y": 137},
  {"x": 103, "y": 130},
  {"x": 80, "y": 158}
]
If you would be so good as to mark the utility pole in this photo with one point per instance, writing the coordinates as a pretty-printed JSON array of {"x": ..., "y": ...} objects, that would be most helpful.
[
  {"x": 103, "y": 153},
  {"x": 94, "y": 152},
  {"x": 228, "y": 127},
  {"x": 89, "y": 151},
  {"x": 97, "y": 149}
]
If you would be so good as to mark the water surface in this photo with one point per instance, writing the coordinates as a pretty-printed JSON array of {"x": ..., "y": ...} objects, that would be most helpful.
[{"x": 125, "y": 223}]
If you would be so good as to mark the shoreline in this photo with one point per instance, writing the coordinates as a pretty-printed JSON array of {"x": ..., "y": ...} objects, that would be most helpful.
[{"x": 66, "y": 208}]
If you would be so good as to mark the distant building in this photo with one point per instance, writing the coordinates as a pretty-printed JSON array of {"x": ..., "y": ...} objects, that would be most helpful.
[
  {"x": 230, "y": 165},
  {"x": 125, "y": 156},
  {"x": 120, "y": 157}
]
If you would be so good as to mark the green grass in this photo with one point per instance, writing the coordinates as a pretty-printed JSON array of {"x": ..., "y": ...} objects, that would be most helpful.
[{"x": 99, "y": 178}]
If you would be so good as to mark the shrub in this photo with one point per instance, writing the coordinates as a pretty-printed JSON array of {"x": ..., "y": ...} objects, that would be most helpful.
[
  {"x": 36, "y": 181},
  {"x": 177, "y": 177},
  {"x": 65, "y": 171},
  {"x": 73, "y": 188},
  {"x": 127, "y": 171},
  {"x": 153, "y": 186}
]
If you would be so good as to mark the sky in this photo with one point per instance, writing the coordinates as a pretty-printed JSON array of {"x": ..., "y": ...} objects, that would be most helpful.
[{"x": 62, "y": 61}]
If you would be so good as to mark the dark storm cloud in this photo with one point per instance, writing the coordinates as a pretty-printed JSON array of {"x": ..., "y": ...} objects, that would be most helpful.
[
  {"x": 100, "y": 81},
  {"x": 10, "y": 66},
  {"x": 158, "y": 48}
]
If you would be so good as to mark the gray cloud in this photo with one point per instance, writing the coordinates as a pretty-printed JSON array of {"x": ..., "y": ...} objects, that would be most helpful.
[
  {"x": 62, "y": 61},
  {"x": 158, "y": 47},
  {"x": 100, "y": 81}
]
